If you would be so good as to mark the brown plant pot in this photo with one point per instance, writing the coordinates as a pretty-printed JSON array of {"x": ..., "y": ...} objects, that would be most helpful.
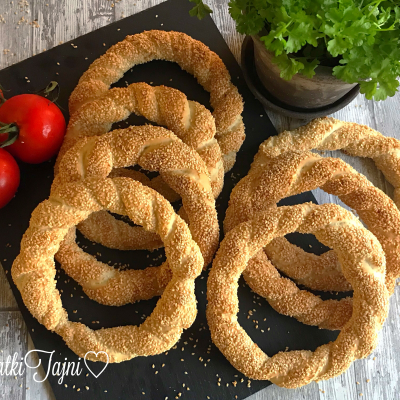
[{"x": 322, "y": 90}]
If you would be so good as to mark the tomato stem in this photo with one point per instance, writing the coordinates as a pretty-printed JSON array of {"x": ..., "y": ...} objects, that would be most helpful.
[
  {"x": 12, "y": 132},
  {"x": 2, "y": 99},
  {"x": 52, "y": 88}
]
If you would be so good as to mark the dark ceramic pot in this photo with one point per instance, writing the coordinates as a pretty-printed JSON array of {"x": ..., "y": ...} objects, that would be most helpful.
[{"x": 320, "y": 91}]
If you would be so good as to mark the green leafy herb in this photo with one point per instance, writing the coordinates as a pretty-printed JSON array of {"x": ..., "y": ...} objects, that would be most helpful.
[
  {"x": 200, "y": 10},
  {"x": 359, "y": 38}
]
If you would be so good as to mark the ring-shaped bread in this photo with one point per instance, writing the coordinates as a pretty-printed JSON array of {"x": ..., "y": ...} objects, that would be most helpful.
[
  {"x": 295, "y": 172},
  {"x": 165, "y": 106},
  {"x": 155, "y": 149},
  {"x": 189, "y": 120},
  {"x": 363, "y": 264},
  {"x": 191, "y": 55},
  {"x": 328, "y": 134},
  {"x": 34, "y": 271}
]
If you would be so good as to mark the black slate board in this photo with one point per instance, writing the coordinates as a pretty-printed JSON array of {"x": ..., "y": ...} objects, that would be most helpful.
[{"x": 136, "y": 379}]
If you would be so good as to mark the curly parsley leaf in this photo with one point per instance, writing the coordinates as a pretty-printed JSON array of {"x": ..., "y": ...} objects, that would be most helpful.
[
  {"x": 309, "y": 67},
  {"x": 200, "y": 10},
  {"x": 368, "y": 88},
  {"x": 288, "y": 66}
]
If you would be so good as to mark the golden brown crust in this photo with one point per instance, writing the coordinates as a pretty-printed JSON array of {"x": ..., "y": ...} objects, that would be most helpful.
[
  {"x": 102, "y": 227},
  {"x": 34, "y": 271},
  {"x": 331, "y": 134},
  {"x": 286, "y": 298},
  {"x": 192, "y": 56},
  {"x": 295, "y": 172},
  {"x": 363, "y": 264},
  {"x": 354, "y": 139},
  {"x": 315, "y": 272},
  {"x": 155, "y": 149},
  {"x": 189, "y": 120}
]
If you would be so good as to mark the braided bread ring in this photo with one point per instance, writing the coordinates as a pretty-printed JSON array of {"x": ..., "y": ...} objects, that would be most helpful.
[
  {"x": 189, "y": 120},
  {"x": 192, "y": 56},
  {"x": 154, "y": 148},
  {"x": 33, "y": 271},
  {"x": 354, "y": 139},
  {"x": 332, "y": 134},
  {"x": 363, "y": 264},
  {"x": 102, "y": 227},
  {"x": 292, "y": 173}
]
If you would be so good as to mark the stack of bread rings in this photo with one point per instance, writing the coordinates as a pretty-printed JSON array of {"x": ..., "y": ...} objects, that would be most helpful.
[
  {"x": 92, "y": 178},
  {"x": 366, "y": 261},
  {"x": 191, "y": 152}
]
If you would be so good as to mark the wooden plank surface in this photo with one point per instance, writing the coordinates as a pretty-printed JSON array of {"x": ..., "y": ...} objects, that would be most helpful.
[{"x": 29, "y": 27}]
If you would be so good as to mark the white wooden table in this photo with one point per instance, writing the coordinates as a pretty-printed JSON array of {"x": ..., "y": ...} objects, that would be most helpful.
[{"x": 28, "y": 27}]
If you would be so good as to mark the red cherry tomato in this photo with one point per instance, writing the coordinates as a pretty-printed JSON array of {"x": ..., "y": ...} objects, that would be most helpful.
[
  {"x": 9, "y": 177},
  {"x": 41, "y": 127}
]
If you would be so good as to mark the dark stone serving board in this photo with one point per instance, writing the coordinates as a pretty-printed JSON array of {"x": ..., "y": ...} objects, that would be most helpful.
[{"x": 136, "y": 379}]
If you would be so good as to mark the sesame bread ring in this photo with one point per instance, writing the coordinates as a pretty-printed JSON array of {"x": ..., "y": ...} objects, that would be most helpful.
[
  {"x": 292, "y": 173},
  {"x": 33, "y": 271},
  {"x": 102, "y": 227},
  {"x": 354, "y": 139},
  {"x": 363, "y": 264},
  {"x": 189, "y": 120},
  {"x": 332, "y": 134},
  {"x": 155, "y": 149},
  {"x": 192, "y": 56}
]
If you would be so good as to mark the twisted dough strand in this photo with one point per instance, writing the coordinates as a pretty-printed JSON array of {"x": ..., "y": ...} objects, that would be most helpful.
[
  {"x": 286, "y": 298},
  {"x": 296, "y": 172},
  {"x": 192, "y": 56},
  {"x": 292, "y": 173},
  {"x": 34, "y": 271},
  {"x": 189, "y": 120},
  {"x": 363, "y": 264},
  {"x": 332, "y": 134},
  {"x": 155, "y": 149},
  {"x": 102, "y": 227},
  {"x": 354, "y": 139},
  {"x": 315, "y": 272}
]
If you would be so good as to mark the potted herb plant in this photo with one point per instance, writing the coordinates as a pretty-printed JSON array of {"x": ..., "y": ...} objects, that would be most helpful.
[{"x": 310, "y": 53}]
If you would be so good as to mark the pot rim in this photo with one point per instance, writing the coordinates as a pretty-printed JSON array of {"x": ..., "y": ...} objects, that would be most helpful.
[
  {"x": 271, "y": 103},
  {"x": 321, "y": 70}
]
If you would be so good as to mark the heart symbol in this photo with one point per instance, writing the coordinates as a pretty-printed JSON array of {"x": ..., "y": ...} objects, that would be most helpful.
[{"x": 96, "y": 355}]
